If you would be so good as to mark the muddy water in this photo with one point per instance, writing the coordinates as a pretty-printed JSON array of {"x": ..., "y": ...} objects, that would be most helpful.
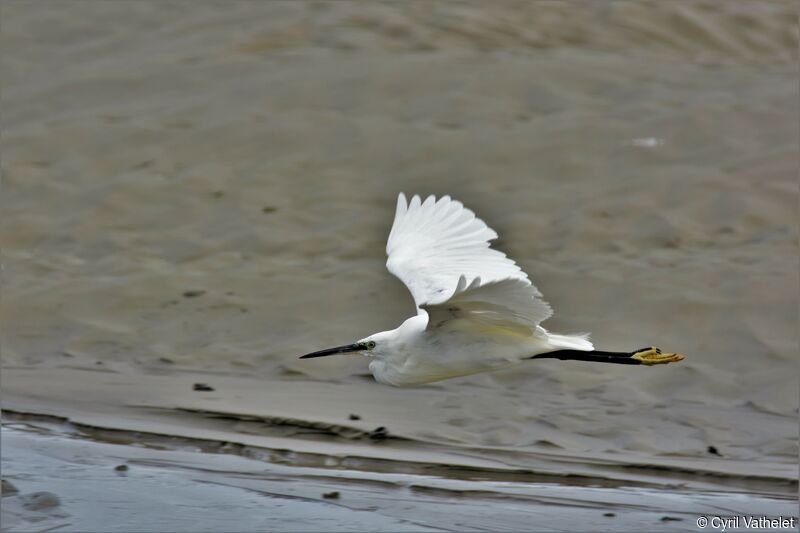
[{"x": 204, "y": 191}]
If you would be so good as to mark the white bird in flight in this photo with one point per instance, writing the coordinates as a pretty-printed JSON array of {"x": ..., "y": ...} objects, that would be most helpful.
[{"x": 477, "y": 311}]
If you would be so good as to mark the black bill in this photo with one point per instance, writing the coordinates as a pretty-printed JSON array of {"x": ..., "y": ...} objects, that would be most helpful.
[{"x": 357, "y": 347}]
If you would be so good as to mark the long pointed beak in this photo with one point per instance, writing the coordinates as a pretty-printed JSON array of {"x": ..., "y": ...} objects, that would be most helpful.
[{"x": 357, "y": 347}]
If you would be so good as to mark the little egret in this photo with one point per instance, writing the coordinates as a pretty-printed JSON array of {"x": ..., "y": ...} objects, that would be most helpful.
[{"x": 476, "y": 309}]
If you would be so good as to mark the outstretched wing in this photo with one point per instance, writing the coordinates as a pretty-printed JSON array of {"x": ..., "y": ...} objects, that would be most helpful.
[
  {"x": 434, "y": 244},
  {"x": 509, "y": 303}
]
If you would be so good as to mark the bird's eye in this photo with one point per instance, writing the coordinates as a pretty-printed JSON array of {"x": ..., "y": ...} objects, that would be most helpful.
[{"x": 370, "y": 344}]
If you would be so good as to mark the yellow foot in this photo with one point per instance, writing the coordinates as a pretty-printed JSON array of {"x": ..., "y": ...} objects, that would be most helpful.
[{"x": 653, "y": 356}]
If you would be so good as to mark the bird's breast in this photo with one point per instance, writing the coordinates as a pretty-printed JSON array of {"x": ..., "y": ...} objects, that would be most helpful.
[{"x": 436, "y": 362}]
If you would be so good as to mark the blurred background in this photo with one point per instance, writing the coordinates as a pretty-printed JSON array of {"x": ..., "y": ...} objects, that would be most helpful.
[{"x": 209, "y": 186}]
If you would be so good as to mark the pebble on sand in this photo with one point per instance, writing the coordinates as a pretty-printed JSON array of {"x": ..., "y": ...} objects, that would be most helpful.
[
  {"x": 36, "y": 501},
  {"x": 193, "y": 294},
  {"x": 7, "y": 488},
  {"x": 380, "y": 433}
]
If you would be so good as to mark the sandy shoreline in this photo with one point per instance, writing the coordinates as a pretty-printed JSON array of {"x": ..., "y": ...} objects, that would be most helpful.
[
  {"x": 274, "y": 415},
  {"x": 178, "y": 489},
  {"x": 334, "y": 476}
]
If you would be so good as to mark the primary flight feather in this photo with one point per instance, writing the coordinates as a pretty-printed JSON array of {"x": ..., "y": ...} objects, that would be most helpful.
[{"x": 476, "y": 309}]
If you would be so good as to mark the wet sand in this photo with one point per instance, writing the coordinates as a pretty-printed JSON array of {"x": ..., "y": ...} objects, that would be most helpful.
[
  {"x": 199, "y": 197},
  {"x": 174, "y": 486},
  {"x": 198, "y": 460}
]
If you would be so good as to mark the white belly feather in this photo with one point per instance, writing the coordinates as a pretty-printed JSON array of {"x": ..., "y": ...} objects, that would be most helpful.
[{"x": 441, "y": 355}]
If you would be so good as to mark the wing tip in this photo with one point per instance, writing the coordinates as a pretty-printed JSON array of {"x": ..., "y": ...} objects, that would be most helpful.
[
  {"x": 402, "y": 204},
  {"x": 429, "y": 200}
]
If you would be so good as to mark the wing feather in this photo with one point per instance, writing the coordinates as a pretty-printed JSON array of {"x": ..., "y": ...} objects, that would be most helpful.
[
  {"x": 507, "y": 303},
  {"x": 441, "y": 251}
]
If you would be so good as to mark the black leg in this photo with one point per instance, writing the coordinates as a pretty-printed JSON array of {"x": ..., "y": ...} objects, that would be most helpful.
[
  {"x": 596, "y": 356},
  {"x": 645, "y": 356}
]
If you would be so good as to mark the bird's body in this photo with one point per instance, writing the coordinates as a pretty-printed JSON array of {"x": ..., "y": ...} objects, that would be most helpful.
[
  {"x": 476, "y": 309},
  {"x": 414, "y": 353}
]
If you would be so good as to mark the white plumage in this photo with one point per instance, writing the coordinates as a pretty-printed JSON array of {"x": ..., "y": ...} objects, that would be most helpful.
[
  {"x": 433, "y": 243},
  {"x": 476, "y": 309}
]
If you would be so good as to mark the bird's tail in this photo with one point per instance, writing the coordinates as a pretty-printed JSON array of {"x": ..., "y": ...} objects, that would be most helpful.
[{"x": 577, "y": 341}]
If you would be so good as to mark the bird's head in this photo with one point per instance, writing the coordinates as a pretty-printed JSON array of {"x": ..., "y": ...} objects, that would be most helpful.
[{"x": 368, "y": 346}]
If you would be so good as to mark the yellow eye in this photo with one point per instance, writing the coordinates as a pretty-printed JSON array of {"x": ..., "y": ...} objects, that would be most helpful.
[{"x": 370, "y": 344}]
